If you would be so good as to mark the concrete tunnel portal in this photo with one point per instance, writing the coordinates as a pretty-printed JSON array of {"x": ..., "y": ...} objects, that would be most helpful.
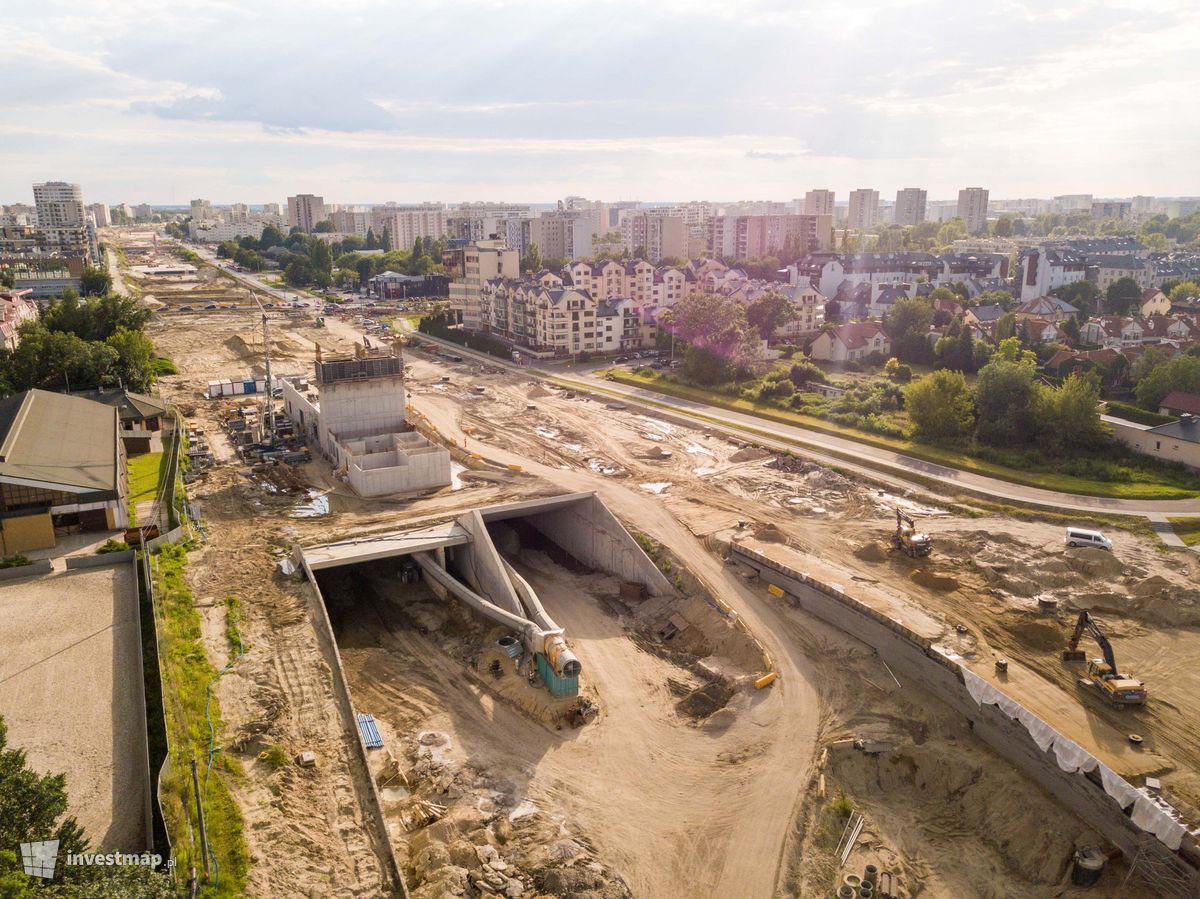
[{"x": 462, "y": 559}]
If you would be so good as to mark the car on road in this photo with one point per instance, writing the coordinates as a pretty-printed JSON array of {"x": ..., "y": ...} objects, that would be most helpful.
[
  {"x": 621, "y": 359},
  {"x": 185, "y": 308},
  {"x": 212, "y": 306}
]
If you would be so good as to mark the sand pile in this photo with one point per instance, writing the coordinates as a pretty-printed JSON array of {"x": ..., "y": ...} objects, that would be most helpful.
[
  {"x": 931, "y": 581},
  {"x": 1094, "y": 562},
  {"x": 871, "y": 552},
  {"x": 537, "y": 392},
  {"x": 769, "y": 533},
  {"x": 749, "y": 454}
]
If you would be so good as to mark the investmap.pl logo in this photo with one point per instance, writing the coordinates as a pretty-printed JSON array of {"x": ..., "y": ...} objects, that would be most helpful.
[{"x": 39, "y": 858}]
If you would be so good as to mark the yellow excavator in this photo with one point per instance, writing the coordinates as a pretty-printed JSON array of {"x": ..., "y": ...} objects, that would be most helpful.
[
  {"x": 908, "y": 539},
  {"x": 1119, "y": 689}
]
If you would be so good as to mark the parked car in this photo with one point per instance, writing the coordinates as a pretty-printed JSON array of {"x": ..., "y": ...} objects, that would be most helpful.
[
  {"x": 1083, "y": 537},
  {"x": 212, "y": 306},
  {"x": 185, "y": 308}
]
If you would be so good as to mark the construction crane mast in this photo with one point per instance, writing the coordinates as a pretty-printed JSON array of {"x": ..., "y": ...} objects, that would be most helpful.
[{"x": 269, "y": 411}]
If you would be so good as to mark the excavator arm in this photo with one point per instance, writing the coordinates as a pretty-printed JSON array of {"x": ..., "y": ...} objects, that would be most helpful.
[{"x": 1086, "y": 621}]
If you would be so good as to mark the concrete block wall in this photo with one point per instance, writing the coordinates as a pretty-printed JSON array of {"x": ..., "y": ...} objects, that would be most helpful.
[
  {"x": 912, "y": 656},
  {"x": 592, "y": 534}
]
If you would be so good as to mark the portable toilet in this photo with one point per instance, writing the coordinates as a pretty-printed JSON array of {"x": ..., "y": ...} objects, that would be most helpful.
[
  {"x": 248, "y": 386},
  {"x": 214, "y": 388}
]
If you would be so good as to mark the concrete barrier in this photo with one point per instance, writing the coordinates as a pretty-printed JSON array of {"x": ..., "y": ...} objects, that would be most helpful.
[
  {"x": 341, "y": 695},
  {"x": 33, "y": 569},
  {"x": 914, "y": 656},
  {"x": 100, "y": 560}
]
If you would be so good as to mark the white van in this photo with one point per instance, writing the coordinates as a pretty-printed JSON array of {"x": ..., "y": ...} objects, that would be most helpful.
[{"x": 1094, "y": 539}]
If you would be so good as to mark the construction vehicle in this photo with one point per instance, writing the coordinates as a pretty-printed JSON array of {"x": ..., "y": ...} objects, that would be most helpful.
[
  {"x": 1117, "y": 688},
  {"x": 909, "y": 539}
]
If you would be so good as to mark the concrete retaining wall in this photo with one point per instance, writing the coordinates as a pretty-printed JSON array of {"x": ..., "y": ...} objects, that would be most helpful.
[
  {"x": 41, "y": 566},
  {"x": 479, "y": 564},
  {"x": 341, "y": 695},
  {"x": 592, "y": 534},
  {"x": 912, "y": 656},
  {"x": 98, "y": 561}
]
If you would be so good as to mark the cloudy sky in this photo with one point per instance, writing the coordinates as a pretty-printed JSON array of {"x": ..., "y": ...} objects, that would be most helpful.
[{"x": 370, "y": 100}]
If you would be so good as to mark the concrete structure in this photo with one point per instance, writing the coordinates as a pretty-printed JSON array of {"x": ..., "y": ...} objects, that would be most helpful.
[
  {"x": 864, "y": 209},
  {"x": 211, "y": 231},
  {"x": 562, "y": 234},
  {"x": 1067, "y": 771},
  {"x": 818, "y": 202},
  {"x": 910, "y": 206},
  {"x": 973, "y": 209},
  {"x": 351, "y": 221},
  {"x": 355, "y": 413},
  {"x": 461, "y": 559},
  {"x": 47, "y": 482},
  {"x": 1112, "y": 209},
  {"x": 305, "y": 211}
]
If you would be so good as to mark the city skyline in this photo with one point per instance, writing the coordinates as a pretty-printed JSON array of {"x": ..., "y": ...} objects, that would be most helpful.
[{"x": 150, "y": 104}]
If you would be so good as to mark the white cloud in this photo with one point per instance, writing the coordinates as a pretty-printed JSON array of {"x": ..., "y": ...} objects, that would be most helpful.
[{"x": 529, "y": 99}]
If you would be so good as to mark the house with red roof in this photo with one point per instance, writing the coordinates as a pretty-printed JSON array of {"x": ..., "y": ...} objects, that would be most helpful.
[{"x": 851, "y": 342}]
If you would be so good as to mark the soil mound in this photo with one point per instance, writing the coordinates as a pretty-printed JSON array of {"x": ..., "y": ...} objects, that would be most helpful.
[
  {"x": 537, "y": 392},
  {"x": 1094, "y": 562},
  {"x": 1039, "y": 635},
  {"x": 768, "y": 533},
  {"x": 749, "y": 454},
  {"x": 871, "y": 552},
  {"x": 940, "y": 582}
]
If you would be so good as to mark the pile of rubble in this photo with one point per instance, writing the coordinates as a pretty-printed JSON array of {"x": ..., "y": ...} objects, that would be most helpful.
[{"x": 472, "y": 838}]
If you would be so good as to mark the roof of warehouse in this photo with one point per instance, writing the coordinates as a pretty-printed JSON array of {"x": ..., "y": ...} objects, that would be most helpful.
[{"x": 62, "y": 441}]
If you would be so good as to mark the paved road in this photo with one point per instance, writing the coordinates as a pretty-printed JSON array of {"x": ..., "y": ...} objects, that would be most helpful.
[{"x": 851, "y": 454}]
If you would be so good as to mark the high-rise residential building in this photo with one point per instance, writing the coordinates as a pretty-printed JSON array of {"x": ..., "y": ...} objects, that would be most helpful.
[
  {"x": 818, "y": 202},
  {"x": 562, "y": 234},
  {"x": 305, "y": 211},
  {"x": 272, "y": 209},
  {"x": 1071, "y": 203},
  {"x": 143, "y": 212},
  {"x": 405, "y": 223},
  {"x": 653, "y": 236},
  {"x": 63, "y": 222},
  {"x": 202, "y": 211},
  {"x": 751, "y": 236},
  {"x": 350, "y": 220},
  {"x": 910, "y": 206},
  {"x": 973, "y": 209},
  {"x": 239, "y": 212},
  {"x": 100, "y": 213},
  {"x": 864, "y": 209},
  {"x": 483, "y": 261}
]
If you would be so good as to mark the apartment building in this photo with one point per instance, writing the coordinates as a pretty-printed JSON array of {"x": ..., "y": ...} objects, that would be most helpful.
[
  {"x": 751, "y": 236},
  {"x": 305, "y": 211},
  {"x": 563, "y": 233},
  {"x": 637, "y": 279},
  {"x": 659, "y": 236},
  {"x": 864, "y": 209},
  {"x": 973, "y": 209},
  {"x": 405, "y": 223},
  {"x": 483, "y": 261},
  {"x": 63, "y": 221},
  {"x": 818, "y": 202},
  {"x": 1112, "y": 209},
  {"x": 351, "y": 220},
  {"x": 202, "y": 210},
  {"x": 216, "y": 231},
  {"x": 1042, "y": 269},
  {"x": 910, "y": 206},
  {"x": 100, "y": 216}
]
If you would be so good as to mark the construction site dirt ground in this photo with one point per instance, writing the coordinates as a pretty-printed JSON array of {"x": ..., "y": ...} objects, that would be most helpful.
[{"x": 674, "y": 809}]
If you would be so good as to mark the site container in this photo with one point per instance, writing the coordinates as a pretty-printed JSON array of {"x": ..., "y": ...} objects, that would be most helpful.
[
  {"x": 248, "y": 386},
  {"x": 239, "y": 387},
  {"x": 558, "y": 686}
]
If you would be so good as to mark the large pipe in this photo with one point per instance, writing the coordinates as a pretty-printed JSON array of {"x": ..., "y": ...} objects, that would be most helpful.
[
  {"x": 561, "y": 659},
  {"x": 470, "y": 597}
]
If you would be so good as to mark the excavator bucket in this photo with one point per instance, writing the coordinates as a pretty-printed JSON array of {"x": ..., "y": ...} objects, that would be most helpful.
[{"x": 1073, "y": 655}]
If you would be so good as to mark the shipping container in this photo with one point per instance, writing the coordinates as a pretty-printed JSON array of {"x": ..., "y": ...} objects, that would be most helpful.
[
  {"x": 248, "y": 387},
  {"x": 239, "y": 387}
]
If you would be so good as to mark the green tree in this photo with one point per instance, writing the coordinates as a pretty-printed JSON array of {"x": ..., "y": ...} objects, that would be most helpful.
[
  {"x": 372, "y": 242},
  {"x": 1184, "y": 290},
  {"x": 1004, "y": 227},
  {"x": 1180, "y": 373},
  {"x": 325, "y": 226},
  {"x": 7, "y": 278},
  {"x": 769, "y": 311},
  {"x": 1006, "y": 326},
  {"x": 1123, "y": 295},
  {"x": 532, "y": 260},
  {"x": 1072, "y": 414},
  {"x": 95, "y": 318},
  {"x": 94, "y": 282},
  {"x": 951, "y": 231},
  {"x": 939, "y": 407},
  {"x": 385, "y": 239},
  {"x": 1006, "y": 403},
  {"x": 365, "y": 272},
  {"x": 897, "y": 371},
  {"x": 271, "y": 237},
  {"x": 908, "y": 327},
  {"x": 134, "y": 359},
  {"x": 320, "y": 256},
  {"x": 1083, "y": 295}
]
